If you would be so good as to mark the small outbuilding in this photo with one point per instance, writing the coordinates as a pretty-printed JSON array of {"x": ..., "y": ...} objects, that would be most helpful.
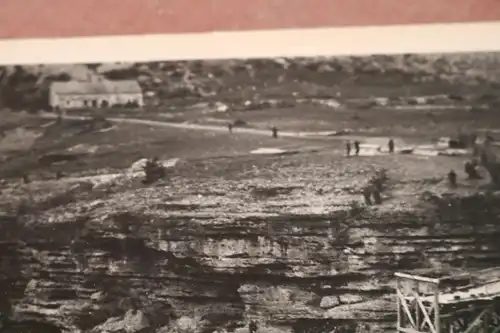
[{"x": 95, "y": 93}]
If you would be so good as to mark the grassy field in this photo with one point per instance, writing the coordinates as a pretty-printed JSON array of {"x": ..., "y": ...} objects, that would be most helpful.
[
  {"x": 416, "y": 125},
  {"x": 29, "y": 137},
  {"x": 120, "y": 145},
  {"x": 426, "y": 124}
]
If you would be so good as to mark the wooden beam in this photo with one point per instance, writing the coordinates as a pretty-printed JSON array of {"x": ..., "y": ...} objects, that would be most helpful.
[
  {"x": 432, "y": 326},
  {"x": 455, "y": 313},
  {"x": 486, "y": 320},
  {"x": 417, "y": 310},
  {"x": 417, "y": 278},
  {"x": 476, "y": 321},
  {"x": 404, "y": 306},
  {"x": 409, "y": 330},
  {"x": 399, "y": 300},
  {"x": 437, "y": 313}
]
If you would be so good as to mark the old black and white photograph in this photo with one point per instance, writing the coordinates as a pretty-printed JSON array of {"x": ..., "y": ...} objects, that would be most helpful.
[{"x": 346, "y": 194}]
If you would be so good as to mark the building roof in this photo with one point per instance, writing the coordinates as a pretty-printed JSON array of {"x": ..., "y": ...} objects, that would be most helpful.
[{"x": 101, "y": 87}]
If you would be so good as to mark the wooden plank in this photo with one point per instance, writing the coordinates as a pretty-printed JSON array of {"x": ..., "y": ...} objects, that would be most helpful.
[
  {"x": 456, "y": 313},
  {"x": 404, "y": 306},
  {"x": 486, "y": 320},
  {"x": 416, "y": 278}
]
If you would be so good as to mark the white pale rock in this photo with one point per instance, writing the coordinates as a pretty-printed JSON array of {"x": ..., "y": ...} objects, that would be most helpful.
[
  {"x": 328, "y": 302},
  {"x": 350, "y": 299}
]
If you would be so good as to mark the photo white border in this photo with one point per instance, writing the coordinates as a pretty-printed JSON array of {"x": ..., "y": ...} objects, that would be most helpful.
[{"x": 429, "y": 38}]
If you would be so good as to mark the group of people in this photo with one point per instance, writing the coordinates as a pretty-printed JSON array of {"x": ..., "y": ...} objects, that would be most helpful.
[
  {"x": 274, "y": 130},
  {"x": 374, "y": 189},
  {"x": 348, "y": 147},
  {"x": 470, "y": 168},
  {"x": 27, "y": 180}
]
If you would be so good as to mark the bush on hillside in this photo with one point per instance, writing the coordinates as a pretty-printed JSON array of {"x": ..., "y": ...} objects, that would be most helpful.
[{"x": 154, "y": 171}]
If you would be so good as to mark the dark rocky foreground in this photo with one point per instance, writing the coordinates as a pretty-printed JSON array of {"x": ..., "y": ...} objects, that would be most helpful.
[{"x": 171, "y": 265}]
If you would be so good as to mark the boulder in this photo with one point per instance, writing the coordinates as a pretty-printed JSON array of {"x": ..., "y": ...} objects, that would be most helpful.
[
  {"x": 133, "y": 321},
  {"x": 328, "y": 302}
]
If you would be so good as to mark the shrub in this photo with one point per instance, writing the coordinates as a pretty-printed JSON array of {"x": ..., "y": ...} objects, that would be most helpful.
[{"x": 153, "y": 171}]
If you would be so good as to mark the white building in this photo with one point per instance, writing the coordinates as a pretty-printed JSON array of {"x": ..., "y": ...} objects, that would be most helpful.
[{"x": 95, "y": 93}]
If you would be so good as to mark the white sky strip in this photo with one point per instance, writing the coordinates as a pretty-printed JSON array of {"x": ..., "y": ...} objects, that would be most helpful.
[{"x": 429, "y": 38}]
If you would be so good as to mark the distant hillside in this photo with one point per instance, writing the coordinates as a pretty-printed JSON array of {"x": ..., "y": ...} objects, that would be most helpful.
[{"x": 26, "y": 87}]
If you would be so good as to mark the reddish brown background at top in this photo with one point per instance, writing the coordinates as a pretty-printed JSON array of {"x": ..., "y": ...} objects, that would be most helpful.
[{"x": 65, "y": 18}]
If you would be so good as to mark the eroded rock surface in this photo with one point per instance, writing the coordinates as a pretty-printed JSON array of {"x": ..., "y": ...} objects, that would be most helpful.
[{"x": 211, "y": 255}]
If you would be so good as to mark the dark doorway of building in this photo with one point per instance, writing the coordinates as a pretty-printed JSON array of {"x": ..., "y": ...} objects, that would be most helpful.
[
  {"x": 94, "y": 103},
  {"x": 104, "y": 104},
  {"x": 85, "y": 103}
]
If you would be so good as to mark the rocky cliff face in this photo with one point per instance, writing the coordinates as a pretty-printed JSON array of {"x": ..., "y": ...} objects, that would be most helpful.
[{"x": 207, "y": 261}]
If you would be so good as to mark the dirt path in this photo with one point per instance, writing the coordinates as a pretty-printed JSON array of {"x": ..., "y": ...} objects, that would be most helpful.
[{"x": 214, "y": 128}]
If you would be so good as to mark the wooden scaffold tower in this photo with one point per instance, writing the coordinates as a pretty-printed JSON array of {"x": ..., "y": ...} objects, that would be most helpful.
[{"x": 432, "y": 305}]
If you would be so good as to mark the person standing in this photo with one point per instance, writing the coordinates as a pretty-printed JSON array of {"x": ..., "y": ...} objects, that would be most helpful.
[
  {"x": 452, "y": 178},
  {"x": 391, "y": 146},
  {"x": 377, "y": 198},
  {"x": 348, "y": 148},
  {"x": 356, "y": 147},
  {"x": 367, "y": 193},
  {"x": 471, "y": 171},
  {"x": 26, "y": 178},
  {"x": 58, "y": 113},
  {"x": 274, "y": 132}
]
